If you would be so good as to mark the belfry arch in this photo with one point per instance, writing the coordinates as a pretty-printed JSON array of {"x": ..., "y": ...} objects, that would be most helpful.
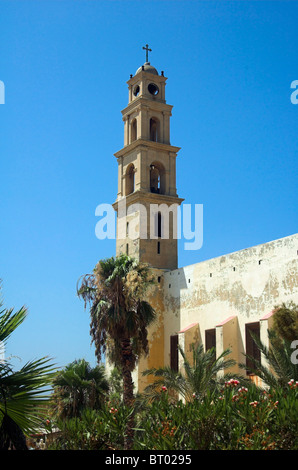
[
  {"x": 134, "y": 130},
  {"x": 154, "y": 129},
  {"x": 130, "y": 179},
  {"x": 157, "y": 178}
]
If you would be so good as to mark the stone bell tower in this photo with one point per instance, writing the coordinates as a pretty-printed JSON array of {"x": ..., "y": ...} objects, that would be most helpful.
[{"x": 147, "y": 203}]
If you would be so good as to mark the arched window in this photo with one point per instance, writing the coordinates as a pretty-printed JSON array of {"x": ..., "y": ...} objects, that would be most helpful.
[
  {"x": 157, "y": 178},
  {"x": 154, "y": 179},
  {"x": 130, "y": 180},
  {"x": 159, "y": 219},
  {"x": 134, "y": 130},
  {"x": 158, "y": 229},
  {"x": 154, "y": 129}
]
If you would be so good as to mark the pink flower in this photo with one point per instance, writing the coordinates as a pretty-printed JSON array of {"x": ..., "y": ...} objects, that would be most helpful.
[
  {"x": 164, "y": 388},
  {"x": 253, "y": 403},
  {"x": 232, "y": 382}
]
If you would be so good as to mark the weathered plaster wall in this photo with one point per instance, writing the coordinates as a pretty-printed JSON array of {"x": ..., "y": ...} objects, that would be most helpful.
[
  {"x": 246, "y": 284},
  {"x": 155, "y": 358}
]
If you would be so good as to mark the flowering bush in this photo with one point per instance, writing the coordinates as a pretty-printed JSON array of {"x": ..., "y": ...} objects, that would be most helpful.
[
  {"x": 235, "y": 417},
  {"x": 293, "y": 384}
]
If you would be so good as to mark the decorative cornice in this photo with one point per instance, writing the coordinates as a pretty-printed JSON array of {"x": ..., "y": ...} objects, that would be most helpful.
[
  {"x": 148, "y": 197},
  {"x": 147, "y": 144},
  {"x": 145, "y": 74},
  {"x": 143, "y": 101}
]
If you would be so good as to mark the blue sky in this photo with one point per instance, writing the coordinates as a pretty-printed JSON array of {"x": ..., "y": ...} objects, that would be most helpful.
[{"x": 65, "y": 65}]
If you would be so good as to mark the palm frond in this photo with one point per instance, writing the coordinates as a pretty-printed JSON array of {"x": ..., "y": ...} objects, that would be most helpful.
[
  {"x": 165, "y": 376},
  {"x": 9, "y": 321},
  {"x": 23, "y": 393},
  {"x": 196, "y": 376},
  {"x": 278, "y": 368}
]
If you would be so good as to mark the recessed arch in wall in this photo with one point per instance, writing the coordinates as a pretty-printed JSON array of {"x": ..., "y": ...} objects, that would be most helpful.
[
  {"x": 157, "y": 178},
  {"x": 130, "y": 179}
]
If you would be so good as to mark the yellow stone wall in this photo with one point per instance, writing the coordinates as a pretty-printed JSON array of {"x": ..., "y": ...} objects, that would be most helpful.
[{"x": 228, "y": 292}]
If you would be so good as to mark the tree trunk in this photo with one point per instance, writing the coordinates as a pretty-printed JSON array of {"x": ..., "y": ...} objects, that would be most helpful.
[{"x": 128, "y": 361}]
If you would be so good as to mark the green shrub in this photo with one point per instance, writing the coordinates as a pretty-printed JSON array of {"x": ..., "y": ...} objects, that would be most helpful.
[
  {"x": 233, "y": 418},
  {"x": 236, "y": 418},
  {"x": 93, "y": 430}
]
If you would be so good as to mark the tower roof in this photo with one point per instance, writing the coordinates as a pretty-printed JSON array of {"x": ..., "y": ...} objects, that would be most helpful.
[{"x": 147, "y": 67}]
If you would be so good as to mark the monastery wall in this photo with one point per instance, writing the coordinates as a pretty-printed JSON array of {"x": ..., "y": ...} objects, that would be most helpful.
[{"x": 227, "y": 293}]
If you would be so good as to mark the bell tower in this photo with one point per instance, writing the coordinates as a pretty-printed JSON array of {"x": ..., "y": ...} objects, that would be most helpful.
[{"x": 147, "y": 203}]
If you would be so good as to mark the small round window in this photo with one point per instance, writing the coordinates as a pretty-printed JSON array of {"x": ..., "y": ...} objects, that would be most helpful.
[
  {"x": 136, "y": 90},
  {"x": 153, "y": 89}
]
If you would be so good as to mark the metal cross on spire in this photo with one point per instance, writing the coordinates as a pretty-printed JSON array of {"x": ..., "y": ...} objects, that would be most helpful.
[{"x": 147, "y": 49}]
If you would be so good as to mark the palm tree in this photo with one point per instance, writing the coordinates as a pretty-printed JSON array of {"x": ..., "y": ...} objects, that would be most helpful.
[
  {"x": 77, "y": 387},
  {"x": 197, "y": 377},
  {"x": 285, "y": 320},
  {"x": 120, "y": 316},
  {"x": 23, "y": 393},
  {"x": 278, "y": 368}
]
